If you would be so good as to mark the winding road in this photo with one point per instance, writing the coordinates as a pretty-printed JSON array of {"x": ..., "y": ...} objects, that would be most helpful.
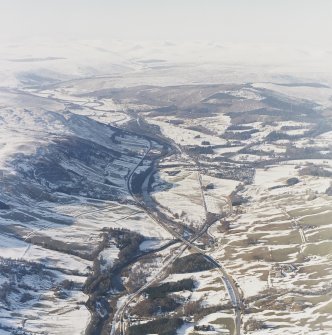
[{"x": 119, "y": 321}]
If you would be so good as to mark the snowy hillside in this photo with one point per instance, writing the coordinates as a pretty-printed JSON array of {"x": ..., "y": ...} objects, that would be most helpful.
[{"x": 59, "y": 170}]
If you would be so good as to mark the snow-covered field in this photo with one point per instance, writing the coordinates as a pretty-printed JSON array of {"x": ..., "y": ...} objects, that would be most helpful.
[
  {"x": 184, "y": 199},
  {"x": 278, "y": 250},
  {"x": 185, "y": 136}
]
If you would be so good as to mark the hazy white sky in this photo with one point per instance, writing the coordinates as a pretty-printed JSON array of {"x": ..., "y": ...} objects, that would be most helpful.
[{"x": 226, "y": 21}]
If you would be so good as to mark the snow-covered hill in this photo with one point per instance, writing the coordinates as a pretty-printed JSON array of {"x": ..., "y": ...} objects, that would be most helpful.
[
  {"x": 129, "y": 63},
  {"x": 63, "y": 184}
]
